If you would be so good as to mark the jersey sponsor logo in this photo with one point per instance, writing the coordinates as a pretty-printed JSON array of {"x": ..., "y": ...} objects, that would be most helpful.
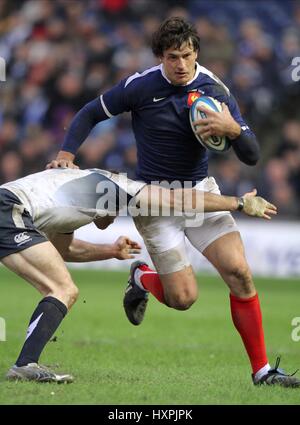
[
  {"x": 21, "y": 238},
  {"x": 158, "y": 99},
  {"x": 192, "y": 97}
]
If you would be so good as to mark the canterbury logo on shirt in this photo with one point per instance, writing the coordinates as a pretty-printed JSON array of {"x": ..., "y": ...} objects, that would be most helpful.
[{"x": 21, "y": 238}]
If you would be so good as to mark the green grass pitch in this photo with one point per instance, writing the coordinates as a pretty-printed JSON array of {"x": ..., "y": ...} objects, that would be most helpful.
[{"x": 174, "y": 357}]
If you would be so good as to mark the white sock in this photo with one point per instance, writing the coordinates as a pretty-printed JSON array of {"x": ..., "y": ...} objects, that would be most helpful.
[
  {"x": 137, "y": 278},
  {"x": 261, "y": 372}
]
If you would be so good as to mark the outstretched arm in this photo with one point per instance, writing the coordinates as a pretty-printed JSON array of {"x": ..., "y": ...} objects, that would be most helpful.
[
  {"x": 196, "y": 201},
  {"x": 78, "y": 251}
]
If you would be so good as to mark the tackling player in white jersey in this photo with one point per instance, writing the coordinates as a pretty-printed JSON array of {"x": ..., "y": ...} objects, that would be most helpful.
[{"x": 39, "y": 214}]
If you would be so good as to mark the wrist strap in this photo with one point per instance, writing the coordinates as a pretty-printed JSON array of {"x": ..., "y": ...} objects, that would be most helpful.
[{"x": 241, "y": 203}]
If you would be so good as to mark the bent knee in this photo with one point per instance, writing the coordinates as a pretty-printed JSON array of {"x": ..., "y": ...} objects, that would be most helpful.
[
  {"x": 240, "y": 280},
  {"x": 182, "y": 301},
  {"x": 67, "y": 294},
  {"x": 240, "y": 272},
  {"x": 72, "y": 294}
]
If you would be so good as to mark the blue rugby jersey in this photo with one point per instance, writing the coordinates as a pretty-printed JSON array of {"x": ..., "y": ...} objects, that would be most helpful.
[{"x": 166, "y": 146}]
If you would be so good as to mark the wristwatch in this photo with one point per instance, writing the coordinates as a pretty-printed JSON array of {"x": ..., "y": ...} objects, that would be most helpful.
[{"x": 241, "y": 203}]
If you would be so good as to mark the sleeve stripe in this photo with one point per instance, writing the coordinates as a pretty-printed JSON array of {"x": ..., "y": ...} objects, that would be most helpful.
[
  {"x": 138, "y": 75},
  {"x": 105, "y": 108}
]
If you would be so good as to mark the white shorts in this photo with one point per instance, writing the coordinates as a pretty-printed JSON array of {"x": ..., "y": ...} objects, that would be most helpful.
[{"x": 164, "y": 237}]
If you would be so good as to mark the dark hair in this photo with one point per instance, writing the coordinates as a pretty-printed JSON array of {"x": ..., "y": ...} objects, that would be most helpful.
[{"x": 174, "y": 32}]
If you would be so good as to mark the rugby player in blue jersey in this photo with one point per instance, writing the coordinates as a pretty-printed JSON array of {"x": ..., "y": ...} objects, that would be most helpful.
[{"x": 159, "y": 100}]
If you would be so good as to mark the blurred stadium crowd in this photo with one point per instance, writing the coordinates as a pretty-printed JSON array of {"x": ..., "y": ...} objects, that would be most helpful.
[{"x": 61, "y": 54}]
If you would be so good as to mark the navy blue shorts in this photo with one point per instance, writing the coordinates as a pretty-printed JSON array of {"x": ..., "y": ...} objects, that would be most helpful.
[{"x": 17, "y": 231}]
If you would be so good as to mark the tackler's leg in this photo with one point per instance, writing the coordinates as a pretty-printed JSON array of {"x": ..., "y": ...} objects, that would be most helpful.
[{"x": 43, "y": 267}]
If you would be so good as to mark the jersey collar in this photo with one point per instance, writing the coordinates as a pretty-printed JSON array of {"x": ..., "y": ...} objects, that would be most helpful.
[{"x": 198, "y": 68}]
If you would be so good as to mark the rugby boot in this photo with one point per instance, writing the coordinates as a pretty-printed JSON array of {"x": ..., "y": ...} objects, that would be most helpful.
[
  {"x": 135, "y": 299},
  {"x": 277, "y": 376},
  {"x": 38, "y": 373}
]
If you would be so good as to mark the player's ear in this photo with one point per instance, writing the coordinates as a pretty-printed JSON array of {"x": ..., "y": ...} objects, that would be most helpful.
[{"x": 160, "y": 57}]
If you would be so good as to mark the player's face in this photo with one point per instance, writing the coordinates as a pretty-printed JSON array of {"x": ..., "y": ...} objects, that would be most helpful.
[{"x": 179, "y": 64}]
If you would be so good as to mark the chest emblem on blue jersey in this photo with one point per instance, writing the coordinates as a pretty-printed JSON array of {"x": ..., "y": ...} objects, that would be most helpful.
[{"x": 192, "y": 97}]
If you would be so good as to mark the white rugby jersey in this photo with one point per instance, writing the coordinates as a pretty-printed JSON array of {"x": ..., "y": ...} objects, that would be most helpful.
[{"x": 62, "y": 200}]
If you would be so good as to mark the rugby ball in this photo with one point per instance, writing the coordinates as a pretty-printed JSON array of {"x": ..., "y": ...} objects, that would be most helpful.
[{"x": 213, "y": 143}]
